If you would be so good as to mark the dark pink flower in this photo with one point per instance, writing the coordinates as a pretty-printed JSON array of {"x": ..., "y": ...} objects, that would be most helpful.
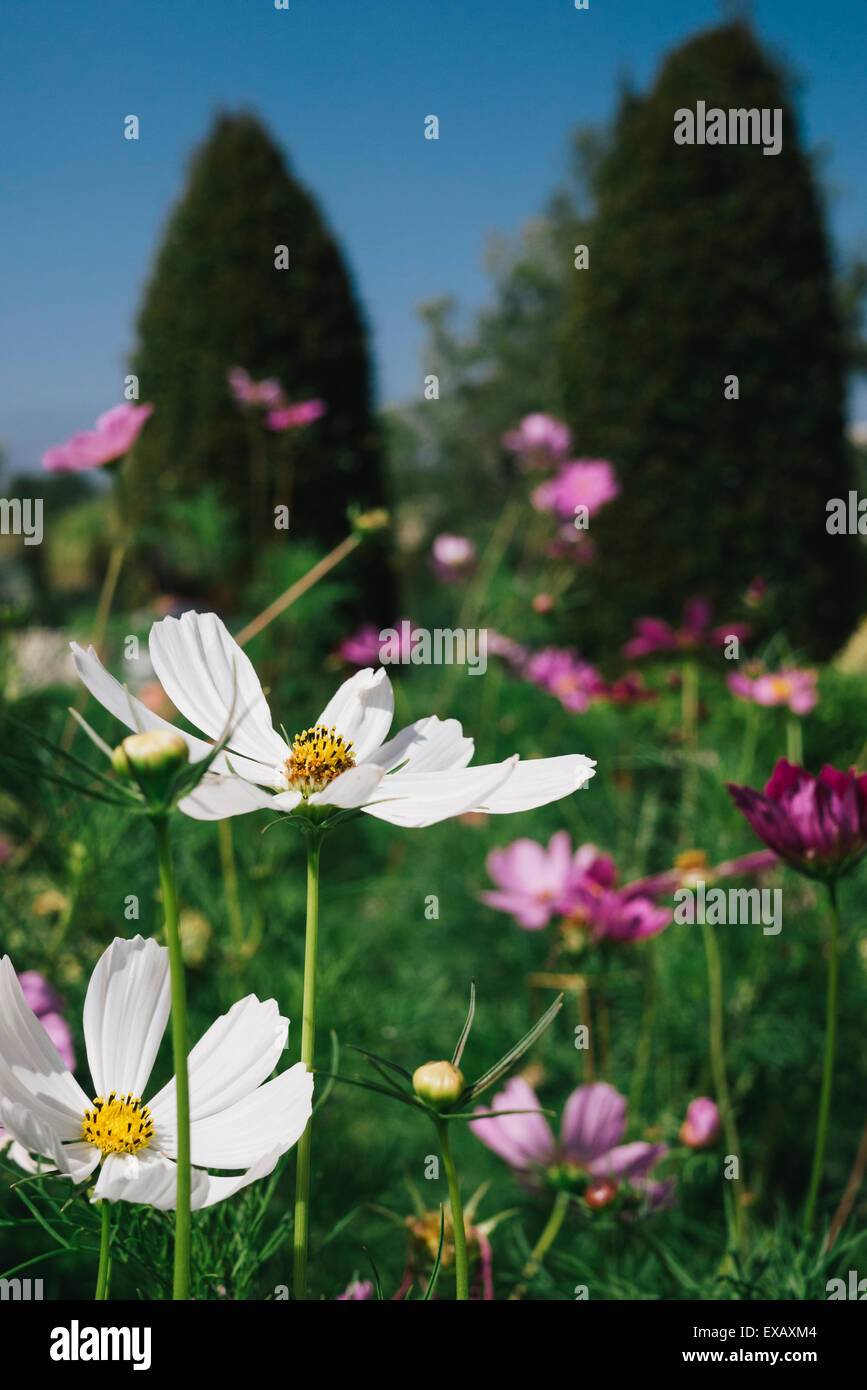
[
  {"x": 593, "y": 1124},
  {"x": 629, "y": 689},
  {"x": 702, "y": 1125},
  {"x": 586, "y": 483},
  {"x": 291, "y": 416},
  {"x": 817, "y": 824},
  {"x": 653, "y": 635},
  {"x": 116, "y": 432},
  {"x": 539, "y": 441},
  {"x": 562, "y": 673}
]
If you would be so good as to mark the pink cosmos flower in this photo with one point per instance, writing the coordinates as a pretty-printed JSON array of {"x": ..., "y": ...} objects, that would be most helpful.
[
  {"x": 653, "y": 635},
  {"x": 302, "y": 413},
  {"x": 453, "y": 557},
  {"x": 692, "y": 867},
  {"x": 593, "y": 1124},
  {"x": 586, "y": 483},
  {"x": 534, "y": 883},
  {"x": 246, "y": 391},
  {"x": 789, "y": 686},
  {"x": 359, "y": 1291},
  {"x": 562, "y": 673},
  {"x": 702, "y": 1125},
  {"x": 116, "y": 432},
  {"x": 367, "y": 648},
  {"x": 817, "y": 824},
  {"x": 539, "y": 441},
  {"x": 611, "y": 914}
]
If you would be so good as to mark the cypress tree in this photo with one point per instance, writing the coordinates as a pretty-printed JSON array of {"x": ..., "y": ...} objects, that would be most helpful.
[
  {"x": 216, "y": 300},
  {"x": 708, "y": 262}
]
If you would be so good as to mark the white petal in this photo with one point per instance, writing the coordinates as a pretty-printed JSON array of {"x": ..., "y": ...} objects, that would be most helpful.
[
  {"x": 423, "y": 798},
  {"x": 229, "y": 1061},
  {"x": 125, "y": 1015},
  {"x": 428, "y": 745},
  {"x": 361, "y": 710},
  {"x": 286, "y": 801},
  {"x": 212, "y": 682},
  {"x": 146, "y": 1177},
  {"x": 77, "y": 1159},
  {"x": 209, "y": 1189},
  {"x": 136, "y": 716},
  {"x": 537, "y": 781},
  {"x": 216, "y": 797},
  {"x": 32, "y": 1072},
  {"x": 272, "y": 1117},
  {"x": 351, "y": 788}
]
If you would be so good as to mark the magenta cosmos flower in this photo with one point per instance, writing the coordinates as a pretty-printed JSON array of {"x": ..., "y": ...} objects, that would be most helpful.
[
  {"x": 818, "y": 825},
  {"x": 562, "y": 673},
  {"x": 367, "y": 646},
  {"x": 539, "y": 441},
  {"x": 116, "y": 432},
  {"x": 702, "y": 1125},
  {"x": 593, "y": 1124},
  {"x": 291, "y": 416},
  {"x": 791, "y": 687},
  {"x": 653, "y": 635},
  {"x": 453, "y": 557},
  {"x": 586, "y": 483},
  {"x": 608, "y": 913}
]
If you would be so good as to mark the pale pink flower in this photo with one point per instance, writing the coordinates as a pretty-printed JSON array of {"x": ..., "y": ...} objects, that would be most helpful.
[
  {"x": 246, "y": 391},
  {"x": 359, "y": 1291},
  {"x": 533, "y": 882},
  {"x": 790, "y": 686},
  {"x": 702, "y": 1125},
  {"x": 562, "y": 673},
  {"x": 453, "y": 557},
  {"x": 539, "y": 441},
  {"x": 116, "y": 432}
]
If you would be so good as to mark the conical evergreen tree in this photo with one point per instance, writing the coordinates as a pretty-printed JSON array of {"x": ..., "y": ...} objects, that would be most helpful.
[
  {"x": 217, "y": 300},
  {"x": 707, "y": 262}
]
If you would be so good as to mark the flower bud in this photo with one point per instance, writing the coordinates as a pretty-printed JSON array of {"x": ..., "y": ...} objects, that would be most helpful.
[
  {"x": 439, "y": 1083},
  {"x": 367, "y": 522},
  {"x": 702, "y": 1124},
  {"x": 600, "y": 1193},
  {"x": 152, "y": 759}
]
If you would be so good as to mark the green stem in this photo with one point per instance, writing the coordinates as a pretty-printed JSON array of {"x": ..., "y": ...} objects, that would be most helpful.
[
  {"x": 689, "y": 731},
  {"x": 828, "y": 1064},
  {"x": 181, "y": 1287},
  {"x": 308, "y": 1036},
  {"x": 104, "y": 1271},
  {"x": 543, "y": 1245},
  {"x": 645, "y": 1037},
  {"x": 461, "y": 1266},
  {"x": 748, "y": 749},
  {"x": 718, "y": 1068},
  {"x": 233, "y": 897},
  {"x": 794, "y": 740}
]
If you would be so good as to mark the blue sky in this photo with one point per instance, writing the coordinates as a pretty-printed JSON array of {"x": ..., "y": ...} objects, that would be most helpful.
[{"x": 344, "y": 86}]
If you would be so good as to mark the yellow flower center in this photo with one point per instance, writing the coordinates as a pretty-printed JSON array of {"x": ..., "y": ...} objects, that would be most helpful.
[
  {"x": 119, "y": 1125},
  {"x": 782, "y": 687},
  {"x": 318, "y": 756},
  {"x": 693, "y": 865}
]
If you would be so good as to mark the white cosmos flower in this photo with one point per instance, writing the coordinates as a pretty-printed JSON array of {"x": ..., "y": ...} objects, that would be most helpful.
[
  {"x": 236, "y": 1122},
  {"x": 418, "y": 777}
]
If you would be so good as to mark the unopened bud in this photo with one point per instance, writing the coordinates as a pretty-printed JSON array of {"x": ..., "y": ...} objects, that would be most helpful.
[
  {"x": 375, "y": 520},
  {"x": 152, "y": 759},
  {"x": 600, "y": 1193},
  {"x": 439, "y": 1083}
]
